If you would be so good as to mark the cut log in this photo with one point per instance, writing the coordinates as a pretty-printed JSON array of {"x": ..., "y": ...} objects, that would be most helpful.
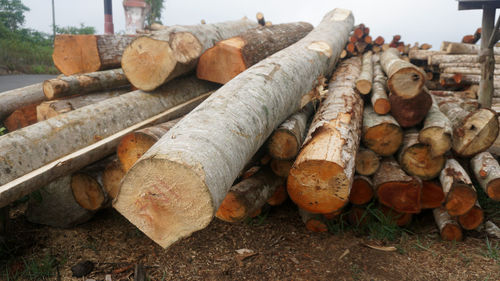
[
  {"x": 84, "y": 83},
  {"x": 55, "y": 205},
  {"x": 21, "y": 117},
  {"x": 248, "y": 196},
  {"x": 260, "y": 19},
  {"x": 444, "y": 58},
  {"x": 469, "y": 78},
  {"x": 112, "y": 176},
  {"x": 379, "y": 99},
  {"x": 487, "y": 172},
  {"x": 313, "y": 222},
  {"x": 17, "y": 98},
  {"x": 473, "y": 132},
  {"x": 436, "y": 132},
  {"x": 379, "y": 41},
  {"x": 416, "y": 159},
  {"x": 381, "y": 133},
  {"x": 367, "y": 162},
  {"x": 75, "y": 54},
  {"x": 279, "y": 197},
  {"x": 362, "y": 190},
  {"x": 232, "y": 56},
  {"x": 151, "y": 61},
  {"x": 449, "y": 229},
  {"x": 462, "y": 48},
  {"x": 80, "y": 132},
  {"x": 281, "y": 168},
  {"x": 473, "y": 218},
  {"x": 287, "y": 139},
  {"x": 404, "y": 79},
  {"x": 49, "y": 109},
  {"x": 364, "y": 81},
  {"x": 467, "y": 95},
  {"x": 424, "y": 55},
  {"x": 465, "y": 70},
  {"x": 432, "y": 195},
  {"x": 206, "y": 151},
  {"x": 395, "y": 189},
  {"x": 458, "y": 189},
  {"x": 465, "y": 65},
  {"x": 134, "y": 145},
  {"x": 397, "y": 218},
  {"x": 321, "y": 177},
  {"x": 412, "y": 111}
]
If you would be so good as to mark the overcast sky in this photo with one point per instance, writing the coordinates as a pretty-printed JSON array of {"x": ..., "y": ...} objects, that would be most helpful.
[{"x": 423, "y": 21}]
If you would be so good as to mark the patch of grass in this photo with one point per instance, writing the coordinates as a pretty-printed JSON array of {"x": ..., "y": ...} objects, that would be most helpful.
[
  {"x": 3, "y": 131},
  {"x": 492, "y": 250},
  {"x": 42, "y": 268}
]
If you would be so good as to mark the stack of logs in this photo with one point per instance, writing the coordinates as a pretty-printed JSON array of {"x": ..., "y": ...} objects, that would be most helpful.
[{"x": 377, "y": 131}]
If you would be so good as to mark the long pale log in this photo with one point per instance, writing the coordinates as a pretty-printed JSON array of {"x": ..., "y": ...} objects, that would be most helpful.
[
  {"x": 84, "y": 83},
  {"x": 381, "y": 133},
  {"x": 448, "y": 227},
  {"x": 17, "y": 98},
  {"x": 404, "y": 79},
  {"x": 465, "y": 70},
  {"x": 432, "y": 195},
  {"x": 79, "y": 132},
  {"x": 470, "y": 78},
  {"x": 468, "y": 94},
  {"x": 206, "y": 151},
  {"x": 248, "y": 196},
  {"x": 473, "y": 218},
  {"x": 21, "y": 117},
  {"x": 436, "y": 131},
  {"x": 458, "y": 189},
  {"x": 442, "y": 58},
  {"x": 463, "y": 48},
  {"x": 467, "y": 65},
  {"x": 424, "y": 55},
  {"x": 151, "y": 61},
  {"x": 232, "y": 56},
  {"x": 75, "y": 54},
  {"x": 487, "y": 173},
  {"x": 49, "y": 109},
  {"x": 410, "y": 112},
  {"x": 321, "y": 177},
  {"x": 313, "y": 222},
  {"x": 416, "y": 159},
  {"x": 365, "y": 79},
  {"x": 362, "y": 190},
  {"x": 134, "y": 145},
  {"x": 379, "y": 98},
  {"x": 287, "y": 139},
  {"x": 367, "y": 162}
]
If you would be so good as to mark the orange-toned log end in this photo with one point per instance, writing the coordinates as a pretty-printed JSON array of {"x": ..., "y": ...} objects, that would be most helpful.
[
  {"x": 279, "y": 196},
  {"x": 382, "y": 106},
  {"x": 469, "y": 39},
  {"x": 112, "y": 177},
  {"x": 316, "y": 225},
  {"x": 364, "y": 86},
  {"x": 460, "y": 199},
  {"x": 451, "y": 232},
  {"x": 283, "y": 145},
  {"x": 75, "y": 54},
  {"x": 400, "y": 219},
  {"x": 318, "y": 186},
  {"x": 457, "y": 77},
  {"x": 87, "y": 192},
  {"x": 222, "y": 62},
  {"x": 432, "y": 195},
  {"x": 379, "y": 41},
  {"x": 493, "y": 189},
  {"x": 350, "y": 47},
  {"x": 357, "y": 216},
  {"x": 418, "y": 161},
  {"x": 361, "y": 192},
  {"x": 383, "y": 139},
  {"x": 403, "y": 197},
  {"x": 132, "y": 147},
  {"x": 21, "y": 117},
  {"x": 472, "y": 219},
  {"x": 231, "y": 209}
]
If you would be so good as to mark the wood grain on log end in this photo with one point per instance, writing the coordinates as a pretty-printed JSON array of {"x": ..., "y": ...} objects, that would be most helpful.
[
  {"x": 367, "y": 162},
  {"x": 132, "y": 147},
  {"x": 185, "y": 46},
  {"x": 472, "y": 219},
  {"x": 432, "y": 195},
  {"x": 460, "y": 199},
  {"x": 477, "y": 133},
  {"x": 382, "y": 106},
  {"x": 493, "y": 189},
  {"x": 410, "y": 111},
  {"x": 231, "y": 209},
  {"x": 76, "y": 54},
  {"x": 384, "y": 139},
  {"x": 449, "y": 229},
  {"x": 282, "y": 144},
  {"x": 87, "y": 191},
  {"x": 403, "y": 197},
  {"x": 361, "y": 191},
  {"x": 437, "y": 138},
  {"x": 417, "y": 160}
]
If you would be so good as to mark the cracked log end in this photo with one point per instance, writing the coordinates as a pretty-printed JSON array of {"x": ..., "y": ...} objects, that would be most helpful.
[
  {"x": 437, "y": 138},
  {"x": 165, "y": 200},
  {"x": 147, "y": 63},
  {"x": 132, "y": 147},
  {"x": 318, "y": 186},
  {"x": 418, "y": 161},
  {"x": 477, "y": 133},
  {"x": 87, "y": 192},
  {"x": 407, "y": 82},
  {"x": 432, "y": 195},
  {"x": 460, "y": 199},
  {"x": 384, "y": 139},
  {"x": 75, "y": 54}
]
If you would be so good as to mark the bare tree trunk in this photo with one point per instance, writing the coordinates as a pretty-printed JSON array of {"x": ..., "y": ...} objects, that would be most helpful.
[{"x": 441, "y": 58}]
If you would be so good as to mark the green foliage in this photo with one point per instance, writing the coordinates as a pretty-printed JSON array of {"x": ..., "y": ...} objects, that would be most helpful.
[
  {"x": 155, "y": 12},
  {"x": 75, "y": 30},
  {"x": 3, "y": 131},
  {"x": 42, "y": 268},
  {"x": 12, "y": 13},
  {"x": 492, "y": 250}
]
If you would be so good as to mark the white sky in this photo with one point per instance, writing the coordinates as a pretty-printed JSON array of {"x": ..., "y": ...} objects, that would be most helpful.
[{"x": 423, "y": 21}]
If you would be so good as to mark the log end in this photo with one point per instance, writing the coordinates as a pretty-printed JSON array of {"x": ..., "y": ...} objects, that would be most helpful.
[
  {"x": 283, "y": 145},
  {"x": 186, "y": 47},
  {"x": 49, "y": 88},
  {"x": 316, "y": 225},
  {"x": 493, "y": 189},
  {"x": 382, "y": 106},
  {"x": 417, "y": 160},
  {"x": 460, "y": 199},
  {"x": 432, "y": 195},
  {"x": 451, "y": 232},
  {"x": 410, "y": 111},
  {"x": 472, "y": 219},
  {"x": 384, "y": 139},
  {"x": 477, "y": 133},
  {"x": 231, "y": 210},
  {"x": 403, "y": 197},
  {"x": 132, "y": 147},
  {"x": 406, "y": 82},
  {"x": 361, "y": 191},
  {"x": 367, "y": 162},
  {"x": 147, "y": 63},
  {"x": 164, "y": 199},
  {"x": 364, "y": 86},
  {"x": 87, "y": 192},
  {"x": 437, "y": 138},
  {"x": 21, "y": 117},
  {"x": 75, "y": 54}
]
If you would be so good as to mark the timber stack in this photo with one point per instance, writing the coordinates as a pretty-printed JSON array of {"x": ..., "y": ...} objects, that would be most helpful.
[{"x": 341, "y": 123}]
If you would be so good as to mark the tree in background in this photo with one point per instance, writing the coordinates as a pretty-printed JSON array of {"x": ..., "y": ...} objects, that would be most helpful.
[
  {"x": 12, "y": 13},
  {"x": 75, "y": 30},
  {"x": 156, "y": 7}
]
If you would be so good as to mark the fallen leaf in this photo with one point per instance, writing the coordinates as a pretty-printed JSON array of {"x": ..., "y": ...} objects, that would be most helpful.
[{"x": 380, "y": 248}]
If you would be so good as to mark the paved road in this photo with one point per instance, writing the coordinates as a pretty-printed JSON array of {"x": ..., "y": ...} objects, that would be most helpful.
[{"x": 9, "y": 82}]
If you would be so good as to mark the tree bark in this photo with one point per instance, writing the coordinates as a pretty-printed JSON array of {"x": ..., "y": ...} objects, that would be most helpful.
[
  {"x": 473, "y": 218},
  {"x": 410, "y": 112},
  {"x": 432, "y": 195},
  {"x": 248, "y": 196},
  {"x": 436, "y": 132},
  {"x": 437, "y": 59},
  {"x": 21, "y": 117},
  {"x": 281, "y": 168},
  {"x": 362, "y": 190},
  {"x": 367, "y": 162},
  {"x": 381, "y": 133},
  {"x": 17, "y": 98},
  {"x": 151, "y": 61},
  {"x": 365, "y": 79},
  {"x": 404, "y": 79},
  {"x": 448, "y": 227},
  {"x": 321, "y": 177},
  {"x": 232, "y": 56},
  {"x": 423, "y": 54},
  {"x": 242, "y": 114},
  {"x": 81, "y": 132},
  {"x": 74, "y": 54},
  {"x": 395, "y": 189},
  {"x": 458, "y": 189},
  {"x": 313, "y": 222},
  {"x": 287, "y": 139},
  {"x": 134, "y": 145},
  {"x": 463, "y": 48},
  {"x": 112, "y": 176},
  {"x": 487, "y": 172},
  {"x": 416, "y": 159},
  {"x": 84, "y": 83},
  {"x": 379, "y": 98}
]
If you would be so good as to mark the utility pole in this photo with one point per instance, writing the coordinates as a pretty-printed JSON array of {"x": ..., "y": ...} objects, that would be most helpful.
[
  {"x": 108, "y": 17},
  {"x": 53, "y": 21}
]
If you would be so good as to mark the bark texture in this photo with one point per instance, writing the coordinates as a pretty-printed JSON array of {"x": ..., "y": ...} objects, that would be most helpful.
[
  {"x": 487, "y": 172},
  {"x": 462, "y": 48},
  {"x": 404, "y": 79},
  {"x": 17, "y": 98},
  {"x": 458, "y": 189},
  {"x": 442, "y": 58},
  {"x": 365, "y": 79},
  {"x": 436, "y": 131},
  {"x": 379, "y": 98},
  {"x": 381, "y": 133},
  {"x": 448, "y": 227}
]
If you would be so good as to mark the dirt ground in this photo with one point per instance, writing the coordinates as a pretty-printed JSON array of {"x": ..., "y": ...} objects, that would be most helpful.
[{"x": 282, "y": 250}]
